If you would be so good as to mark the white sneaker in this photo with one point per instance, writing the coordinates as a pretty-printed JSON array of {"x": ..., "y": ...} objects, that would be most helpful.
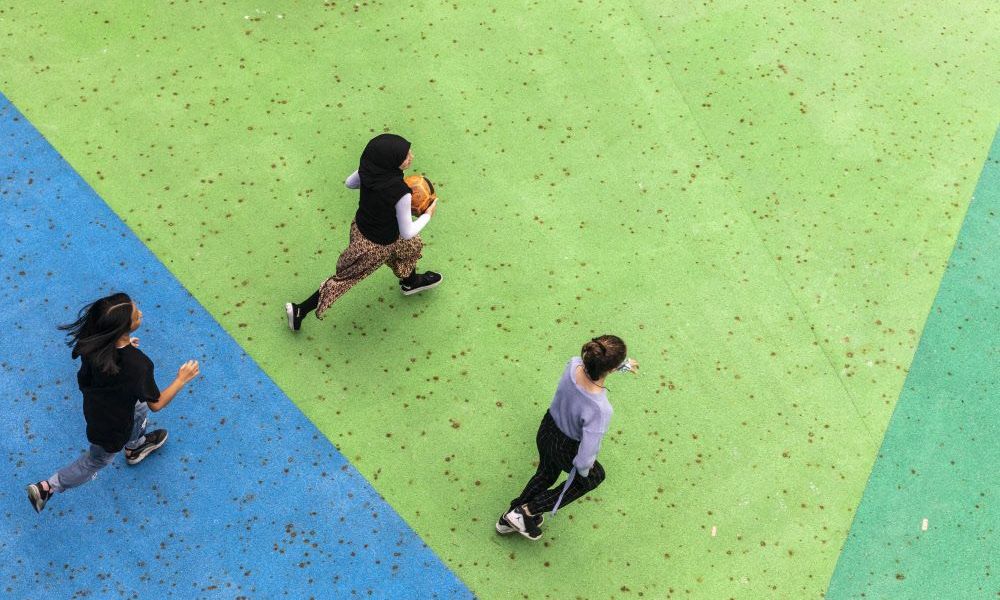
[{"x": 503, "y": 528}]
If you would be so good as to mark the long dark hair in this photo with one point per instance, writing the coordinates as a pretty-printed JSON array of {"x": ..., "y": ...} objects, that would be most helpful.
[
  {"x": 97, "y": 328},
  {"x": 602, "y": 355}
]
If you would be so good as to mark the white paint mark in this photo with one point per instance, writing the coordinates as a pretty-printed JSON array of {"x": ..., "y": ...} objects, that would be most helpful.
[
  {"x": 713, "y": 530},
  {"x": 923, "y": 526}
]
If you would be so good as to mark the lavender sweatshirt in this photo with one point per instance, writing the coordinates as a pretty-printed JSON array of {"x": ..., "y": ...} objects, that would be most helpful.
[{"x": 580, "y": 415}]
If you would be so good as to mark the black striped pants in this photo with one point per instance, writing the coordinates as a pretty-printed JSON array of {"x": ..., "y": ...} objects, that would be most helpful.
[{"x": 556, "y": 451}]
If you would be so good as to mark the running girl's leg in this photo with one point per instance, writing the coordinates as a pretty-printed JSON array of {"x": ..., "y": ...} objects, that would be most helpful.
[
  {"x": 309, "y": 304},
  {"x": 404, "y": 255},
  {"x": 551, "y": 461},
  {"x": 361, "y": 258},
  {"x": 140, "y": 417},
  {"x": 81, "y": 470},
  {"x": 403, "y": 262},
  {"x": 546, "y": 501},
  {"x": 142, "y": 444},
  {"x": 555, "y": 451}
]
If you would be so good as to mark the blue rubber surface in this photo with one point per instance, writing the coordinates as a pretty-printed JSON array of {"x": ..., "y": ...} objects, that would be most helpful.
[{"x": 246, "y": 499}]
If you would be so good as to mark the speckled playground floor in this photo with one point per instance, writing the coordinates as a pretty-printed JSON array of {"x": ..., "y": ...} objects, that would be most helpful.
[{"x": 761, "y": 199}]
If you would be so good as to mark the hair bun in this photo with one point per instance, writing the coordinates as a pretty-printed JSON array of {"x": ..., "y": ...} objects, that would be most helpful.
[{"x": 602, "y": 355}]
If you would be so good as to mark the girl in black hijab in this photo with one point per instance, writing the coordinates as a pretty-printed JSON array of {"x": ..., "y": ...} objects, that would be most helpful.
[{"x": 383, "y": 231}]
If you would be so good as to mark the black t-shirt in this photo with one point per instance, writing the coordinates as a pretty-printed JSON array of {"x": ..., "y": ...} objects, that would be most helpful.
[{"x": 109, "y": 400}]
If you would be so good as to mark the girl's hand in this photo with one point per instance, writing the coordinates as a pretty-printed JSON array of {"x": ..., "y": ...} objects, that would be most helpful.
[
  {"x": 188, "y": 371},
  {"x": 134, "y": 341},
  {"x": 629, "y": 366},
  {"x": 430, "y": 209}
]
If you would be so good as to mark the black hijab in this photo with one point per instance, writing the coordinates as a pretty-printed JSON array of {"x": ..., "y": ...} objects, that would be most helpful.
[
  {"x": 380, "y": 162},
  {"x": 381, "y": 187}
]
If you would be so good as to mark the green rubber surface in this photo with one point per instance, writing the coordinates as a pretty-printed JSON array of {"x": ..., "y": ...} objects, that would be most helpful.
[
  {"x": 928, "y": 523},
  {"x": 761, "y": 201}
]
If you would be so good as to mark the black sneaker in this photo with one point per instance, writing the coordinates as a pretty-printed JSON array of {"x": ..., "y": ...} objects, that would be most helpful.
[
  {"x": 418, "y": 283},
  {"x": 522, "y": 523},
  {"x": 38, "y": 496},
  {"x": 295, "y": 316},
  {"x": 538, "y": 519},
  {"x": 154, "y": 440}
]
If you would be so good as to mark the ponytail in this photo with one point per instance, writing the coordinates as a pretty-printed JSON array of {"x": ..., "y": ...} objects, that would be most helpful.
[{"x": 97, "y": 329}]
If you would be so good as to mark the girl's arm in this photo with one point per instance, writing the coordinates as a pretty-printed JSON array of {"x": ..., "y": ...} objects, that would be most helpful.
[
  {"x": 408, "y": 228},
  {"x": 586, "y": 454},
  {"x": 353, "y": 181},
  {"x": 186, "y": 373}
]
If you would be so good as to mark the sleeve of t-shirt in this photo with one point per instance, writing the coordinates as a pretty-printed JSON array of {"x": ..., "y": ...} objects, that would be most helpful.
[{"x": 147, "y": 390}]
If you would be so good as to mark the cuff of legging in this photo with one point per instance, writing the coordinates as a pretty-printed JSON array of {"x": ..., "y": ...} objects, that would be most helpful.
[{"x": 134, "y": 444}]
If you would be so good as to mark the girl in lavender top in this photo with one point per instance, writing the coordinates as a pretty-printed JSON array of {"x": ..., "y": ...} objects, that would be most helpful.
[{"x": 569, "y": 436}]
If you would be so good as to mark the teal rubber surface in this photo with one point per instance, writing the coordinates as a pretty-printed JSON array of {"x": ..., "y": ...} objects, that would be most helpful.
[{"x": 940, "y": 455}]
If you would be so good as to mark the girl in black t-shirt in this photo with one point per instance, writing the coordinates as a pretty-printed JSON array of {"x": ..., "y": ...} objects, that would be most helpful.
[
  {"x": 116, "y": 379},
  {"x": 383, "y": 232}
]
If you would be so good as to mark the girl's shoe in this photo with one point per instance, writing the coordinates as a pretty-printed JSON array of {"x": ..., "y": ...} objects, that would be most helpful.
[
  {"x": 295, "y": 316},
  {"x": 417, "y": 283},
  {"x": 38, "y": 496},
  {"x": 522, "y": 523},
  {"x": 154, "y": 440},
  {"x": 503, "y": 527}
]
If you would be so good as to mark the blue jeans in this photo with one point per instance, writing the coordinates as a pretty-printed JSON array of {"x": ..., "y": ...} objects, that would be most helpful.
[{"x": 88, "y": 465}]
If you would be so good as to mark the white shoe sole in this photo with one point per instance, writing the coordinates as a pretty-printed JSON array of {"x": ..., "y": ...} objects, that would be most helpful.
[
  {"x": 290, "y": 312},
  {"x": 422, "y": 289},
  {"x": 504, "y": 529}
]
